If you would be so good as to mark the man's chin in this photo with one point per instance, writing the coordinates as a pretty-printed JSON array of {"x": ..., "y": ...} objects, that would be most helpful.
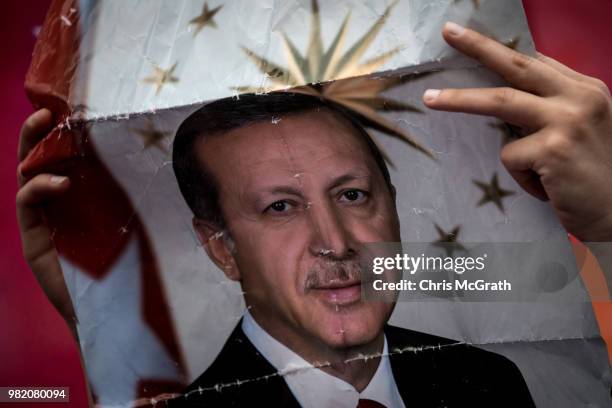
[{"x": 350, "y": 328}]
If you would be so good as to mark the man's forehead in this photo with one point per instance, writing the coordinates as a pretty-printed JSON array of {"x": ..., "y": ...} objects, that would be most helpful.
[{"x": 294, "y": 143}]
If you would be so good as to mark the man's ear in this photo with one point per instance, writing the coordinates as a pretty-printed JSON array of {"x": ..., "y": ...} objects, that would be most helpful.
[{"x": 218, "y": 246}]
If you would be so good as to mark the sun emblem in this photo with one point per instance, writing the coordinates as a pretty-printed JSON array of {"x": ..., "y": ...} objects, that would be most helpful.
[{"x": 338, "y": 76}]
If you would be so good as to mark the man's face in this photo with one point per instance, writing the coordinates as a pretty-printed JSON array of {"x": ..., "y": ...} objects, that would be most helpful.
[{"x": 299, "y": 198}]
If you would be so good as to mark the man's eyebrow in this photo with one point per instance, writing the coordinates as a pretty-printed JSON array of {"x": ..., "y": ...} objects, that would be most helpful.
[
  {"x": 346, "y": 178},
  {"x": 283, "y": 190}
]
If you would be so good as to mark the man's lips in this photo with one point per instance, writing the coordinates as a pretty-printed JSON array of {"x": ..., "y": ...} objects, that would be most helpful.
[
  {"x": 340, "y": 292},
  {"x": 338, "y": 284}
]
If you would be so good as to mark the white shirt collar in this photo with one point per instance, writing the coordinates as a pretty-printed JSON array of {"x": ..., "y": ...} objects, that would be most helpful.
[{"x": 316, "y": 388}]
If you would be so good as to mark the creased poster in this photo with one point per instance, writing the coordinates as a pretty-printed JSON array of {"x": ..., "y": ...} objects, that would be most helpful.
[{"x": 240, "y": 171}]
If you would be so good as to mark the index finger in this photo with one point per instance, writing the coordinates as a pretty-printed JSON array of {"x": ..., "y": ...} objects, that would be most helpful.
[
  {"x": 34, "y": 129},
  {"x": 522, "y": 71}
]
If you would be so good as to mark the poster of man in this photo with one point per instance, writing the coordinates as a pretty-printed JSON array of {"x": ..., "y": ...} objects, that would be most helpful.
[{"x": 212, "y": 238}]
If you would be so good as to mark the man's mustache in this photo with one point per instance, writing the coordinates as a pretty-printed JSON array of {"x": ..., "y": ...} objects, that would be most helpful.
[{"x": 330, "y": 274}]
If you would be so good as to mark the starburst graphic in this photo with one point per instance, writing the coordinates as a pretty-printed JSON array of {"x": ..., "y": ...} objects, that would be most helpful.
[
  {"x": 361, "y": 99},
  {"x": 205, "y": 19},
  {"x": 492, "y": 192},
  {"x": 161, "y": 77},
  {"x": 153, "y": 137},
  {"x": 358, "y": 96}
]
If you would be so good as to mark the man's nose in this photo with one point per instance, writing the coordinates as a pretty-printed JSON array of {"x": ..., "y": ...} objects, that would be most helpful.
[{"x": 330, "y": 235}]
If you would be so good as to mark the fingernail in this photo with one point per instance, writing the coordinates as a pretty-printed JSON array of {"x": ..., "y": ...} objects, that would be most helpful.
[
  {"x": 431, "y": 95},
  {"x": 454, "y": 29},
  {"x": 58, "y": 179}
]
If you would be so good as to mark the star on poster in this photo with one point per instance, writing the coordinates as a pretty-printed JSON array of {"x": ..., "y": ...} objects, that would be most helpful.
[
  {"x": 448, "y": 240},
  {"x": 492, "y": 192},
  {"x": 153, "y": 137},
  {"x": 206, "y": 18},
  {"x": 161, "y": 77}
]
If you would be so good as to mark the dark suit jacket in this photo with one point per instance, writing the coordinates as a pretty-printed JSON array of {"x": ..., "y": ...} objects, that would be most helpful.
[{"x": 453, "y": 376}]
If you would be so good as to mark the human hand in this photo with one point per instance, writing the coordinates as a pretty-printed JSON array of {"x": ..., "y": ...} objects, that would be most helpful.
[
  {"x": 566, "y": 155},
  {"x": 38, "y": 248}
]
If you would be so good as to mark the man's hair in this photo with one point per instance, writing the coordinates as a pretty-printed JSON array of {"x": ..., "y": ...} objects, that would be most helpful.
[{"x": 197, "y": 184}]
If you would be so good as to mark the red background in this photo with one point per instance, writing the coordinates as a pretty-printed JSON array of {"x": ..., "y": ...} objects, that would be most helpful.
[{"x": 36, "y": 348}]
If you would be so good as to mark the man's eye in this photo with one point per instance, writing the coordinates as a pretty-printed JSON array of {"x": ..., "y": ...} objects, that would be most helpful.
[
  {"x": 353, "y": 196},
  {"x": 279, "y": 206}
]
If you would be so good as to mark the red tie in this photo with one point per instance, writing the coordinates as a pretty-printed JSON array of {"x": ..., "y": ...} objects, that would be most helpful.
[{"x": 368, "y": 403}]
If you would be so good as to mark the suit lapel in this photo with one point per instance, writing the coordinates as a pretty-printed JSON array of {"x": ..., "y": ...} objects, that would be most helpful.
[{"x": 241, "y": 376}]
